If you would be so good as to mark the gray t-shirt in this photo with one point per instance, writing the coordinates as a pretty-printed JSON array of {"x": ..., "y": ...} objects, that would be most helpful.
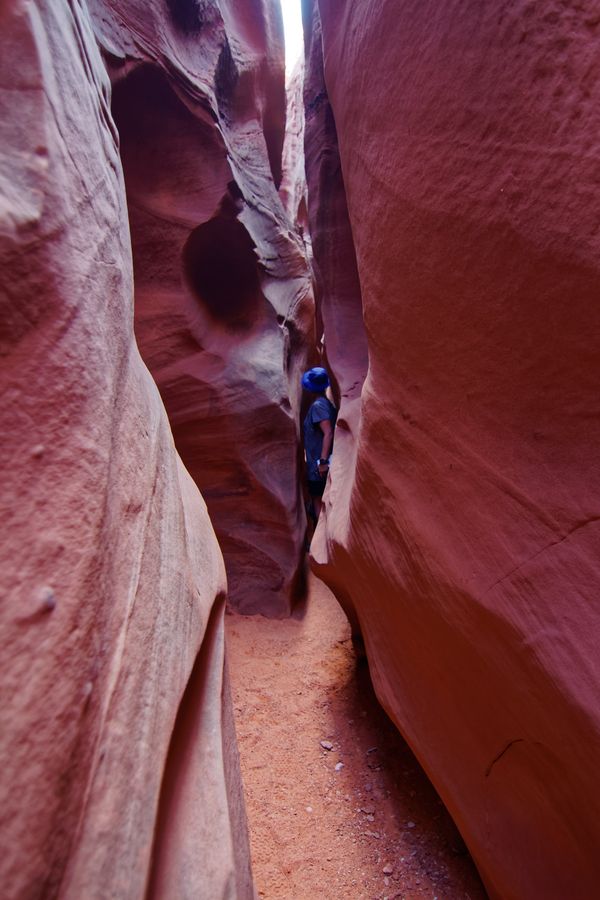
[{"x": 320, "y": 410}]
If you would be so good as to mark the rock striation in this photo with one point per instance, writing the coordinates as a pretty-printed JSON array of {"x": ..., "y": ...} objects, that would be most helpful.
[
  {"x": 119, "y": 765},
  {"x": 223, "y": 292},
  {"x": 463, "y": 530}
]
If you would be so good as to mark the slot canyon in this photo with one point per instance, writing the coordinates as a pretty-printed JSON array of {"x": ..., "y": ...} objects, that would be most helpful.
[{"x": 202, "y": 694}]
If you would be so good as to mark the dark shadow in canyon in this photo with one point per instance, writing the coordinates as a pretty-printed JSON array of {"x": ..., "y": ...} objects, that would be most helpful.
[{"x": 220, "y": 266}]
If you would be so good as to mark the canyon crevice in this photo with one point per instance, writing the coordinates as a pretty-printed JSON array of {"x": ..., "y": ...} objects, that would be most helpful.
[
  {"x": 223, "y": 291},
  {"x": 172, "y": 260}
]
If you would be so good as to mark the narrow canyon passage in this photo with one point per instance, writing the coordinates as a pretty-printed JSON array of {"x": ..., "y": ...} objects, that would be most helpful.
[{"x": 359, "y": 820}]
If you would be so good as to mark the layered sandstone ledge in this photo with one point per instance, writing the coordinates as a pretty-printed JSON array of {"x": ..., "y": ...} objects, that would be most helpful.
[{"x": 461, "y": 526}]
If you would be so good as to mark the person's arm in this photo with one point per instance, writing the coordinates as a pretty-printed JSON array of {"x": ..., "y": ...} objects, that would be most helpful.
[{"x": 327, "y": 430}]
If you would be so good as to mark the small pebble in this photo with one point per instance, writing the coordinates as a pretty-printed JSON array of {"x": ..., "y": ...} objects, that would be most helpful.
[
  {"x": 47, "y": 601},
  {"x": 309, "y": 809},
  {"x": 37, "y": 451},
  {"x": 339, "y": 766},
  {"x": 411, "y": 825},
  {"x": 368, "y": 787},
  {"x": 326, "y": 745},
  {"x": 388, "y": 869}
]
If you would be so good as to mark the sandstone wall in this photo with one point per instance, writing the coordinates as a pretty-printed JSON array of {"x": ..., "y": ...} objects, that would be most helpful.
[
  {"x": 466, "y": 538},
  {"x": 339, "y": 312},
  {"x": 293, "y": 183},
  {"x": 224, "y": 307},
  {"x": 119, "y": 769}
]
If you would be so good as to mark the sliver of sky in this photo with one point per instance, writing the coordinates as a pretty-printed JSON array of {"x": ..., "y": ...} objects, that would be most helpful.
[{"x": 292, "y": 27}]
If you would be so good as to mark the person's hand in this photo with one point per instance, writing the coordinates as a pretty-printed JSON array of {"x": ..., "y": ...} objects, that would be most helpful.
[{"x": 323, "y": 469}]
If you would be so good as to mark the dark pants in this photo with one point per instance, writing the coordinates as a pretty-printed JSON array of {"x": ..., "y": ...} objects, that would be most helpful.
[{"x": 316, "y": 488}]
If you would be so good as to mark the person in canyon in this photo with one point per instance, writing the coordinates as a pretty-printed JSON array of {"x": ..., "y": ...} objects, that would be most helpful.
[{"x": 319, "y": 423}]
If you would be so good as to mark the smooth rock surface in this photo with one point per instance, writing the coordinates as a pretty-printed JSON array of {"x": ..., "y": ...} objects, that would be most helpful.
[
  {"x": 337, "y": 290},
  {"x": 465, "y": 537},
  {"x": 293, "y": 182},
  {"x": 120, "y": 776},
  {"x": 223, "y": 295}
]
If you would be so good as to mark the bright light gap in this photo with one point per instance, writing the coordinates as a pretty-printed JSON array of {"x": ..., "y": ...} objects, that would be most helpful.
[{"x": 294, "y": 38}]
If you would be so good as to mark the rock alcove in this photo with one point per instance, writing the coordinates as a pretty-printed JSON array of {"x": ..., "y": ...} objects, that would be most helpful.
[{"x": 220, "y": 269}]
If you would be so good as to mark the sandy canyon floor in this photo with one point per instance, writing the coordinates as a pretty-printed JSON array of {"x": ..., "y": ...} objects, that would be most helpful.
[{"x": 359, "y": 820}]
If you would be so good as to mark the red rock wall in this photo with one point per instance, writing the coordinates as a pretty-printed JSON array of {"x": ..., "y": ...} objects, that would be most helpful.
[
  {"x": 467, "y": 541},
  {"x": 224, "y": 307},
  {"x": 340, "y": 316},
  {"x": 293, "y": 184},
  {"x": 340, "y": 322},
  {"x": 119, "y": 769}
]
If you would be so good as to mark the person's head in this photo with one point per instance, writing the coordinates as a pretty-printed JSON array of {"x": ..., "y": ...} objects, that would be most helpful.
[{"x": 315, "y": 380}]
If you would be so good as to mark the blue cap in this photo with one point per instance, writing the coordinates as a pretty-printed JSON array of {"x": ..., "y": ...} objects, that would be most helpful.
[{"x": 315, "y": 380}]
